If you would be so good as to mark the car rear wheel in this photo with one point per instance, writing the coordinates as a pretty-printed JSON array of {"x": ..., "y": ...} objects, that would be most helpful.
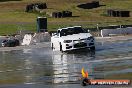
[
  {"x": 61, "y": 48},
  {"x": 52, "y": 46},
  {"x": 92, "y": 48}
]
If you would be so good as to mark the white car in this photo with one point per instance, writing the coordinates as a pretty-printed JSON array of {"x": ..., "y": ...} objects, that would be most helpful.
[{"x": 72, "y": 38}]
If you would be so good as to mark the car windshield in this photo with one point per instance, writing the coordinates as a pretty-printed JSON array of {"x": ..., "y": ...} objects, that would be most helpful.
[{"x": 70, "y": 31}]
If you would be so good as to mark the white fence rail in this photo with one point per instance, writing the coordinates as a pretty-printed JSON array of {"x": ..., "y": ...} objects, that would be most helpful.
[{"x": 118, "y": 31}]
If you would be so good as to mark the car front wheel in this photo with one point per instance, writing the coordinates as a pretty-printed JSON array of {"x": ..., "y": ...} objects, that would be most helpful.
[{"x": 61, "y": 48}]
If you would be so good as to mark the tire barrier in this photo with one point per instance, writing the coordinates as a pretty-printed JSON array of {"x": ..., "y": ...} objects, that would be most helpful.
[
  {"x": 10, "y": 43},
  {"x": 35, "y": 6},
  {"x": 118, "y": 13},
  {"x": 62, "y": 14},
  {"x": 90, "y": 5},
  {"x": 66, "y": 14}
]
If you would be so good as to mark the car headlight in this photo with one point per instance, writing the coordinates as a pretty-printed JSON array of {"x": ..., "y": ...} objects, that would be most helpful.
[{"x": 67, "y": 41}]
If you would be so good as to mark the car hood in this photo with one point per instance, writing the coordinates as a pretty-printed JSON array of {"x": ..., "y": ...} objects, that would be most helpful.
[{"x": 76, "y": 36}]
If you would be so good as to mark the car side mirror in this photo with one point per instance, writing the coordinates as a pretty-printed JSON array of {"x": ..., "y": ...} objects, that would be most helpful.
[{"x": 54, "y": 34}]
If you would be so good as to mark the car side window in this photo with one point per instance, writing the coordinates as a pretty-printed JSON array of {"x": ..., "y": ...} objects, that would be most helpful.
[{"x": 63, "y": 32}]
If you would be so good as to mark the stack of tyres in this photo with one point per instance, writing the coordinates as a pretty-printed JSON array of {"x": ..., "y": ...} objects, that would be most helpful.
[
  {"x": 54, "y": 14},
  {"x": 62, "y": 14},
  {"x": 10, "y": 43},
  {"x": 59, "y": 14},
  {"x": 66, "y": 13},
  {"x": 31, "y": 7},
  {"x": 118, "y": 13},
  {"x": 42, "y": 5}
]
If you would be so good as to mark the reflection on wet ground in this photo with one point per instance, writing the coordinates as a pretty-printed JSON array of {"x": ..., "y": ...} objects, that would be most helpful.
[{"x": 111, "y": 60}]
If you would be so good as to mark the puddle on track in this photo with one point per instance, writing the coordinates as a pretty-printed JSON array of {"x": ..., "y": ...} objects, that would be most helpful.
[{"x": 44, "y": 67}]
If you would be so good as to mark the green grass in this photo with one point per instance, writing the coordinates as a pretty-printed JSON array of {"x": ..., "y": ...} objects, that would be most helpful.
[
  {"x": 14, "y": 28},
  {"x": 12, "y": 12}
]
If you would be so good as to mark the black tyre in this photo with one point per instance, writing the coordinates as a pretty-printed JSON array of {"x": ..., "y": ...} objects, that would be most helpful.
[
  {"x": 12, "y": 44},
  {"x": 17, "y": 43},
  {"x": 92, "y": 48},
  {"x": 61, "y": 48},
  {"x": 52, "y": 46}
]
